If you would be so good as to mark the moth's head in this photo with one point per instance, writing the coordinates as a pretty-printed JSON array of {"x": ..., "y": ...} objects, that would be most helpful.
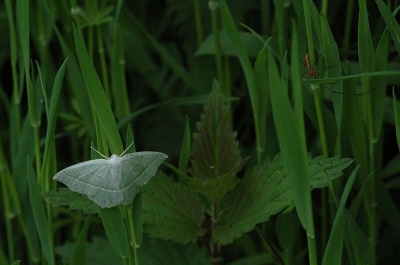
[{"x": 113, "y": 156}]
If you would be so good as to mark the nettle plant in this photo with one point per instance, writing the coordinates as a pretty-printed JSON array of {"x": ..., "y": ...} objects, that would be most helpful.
[{"x": 209, "y": 202}]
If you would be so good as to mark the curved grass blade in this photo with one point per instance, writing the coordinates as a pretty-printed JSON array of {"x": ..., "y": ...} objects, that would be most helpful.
[{"x": 97, "y": 96}]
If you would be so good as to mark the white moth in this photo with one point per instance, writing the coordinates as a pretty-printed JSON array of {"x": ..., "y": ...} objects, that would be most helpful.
[{"x": 113, "y": 181}]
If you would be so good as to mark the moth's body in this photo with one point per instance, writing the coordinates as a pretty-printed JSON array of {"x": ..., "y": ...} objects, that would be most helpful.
[{"x": 115, "y": 162}]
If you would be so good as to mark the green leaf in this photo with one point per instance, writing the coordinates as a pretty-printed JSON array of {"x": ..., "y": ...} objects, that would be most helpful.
[
  {"x": 184, "y": 155},
  {"x": 172, "y": 211},
  {"x": 97, "y": 95},
  {"x": 391, "y": 23},
  {"x": 265, "y": 191},
  {"x": 42, "y": 225},
  {"x": 52, "y": 121},
  {"x": 334, "y": 248},
  {"x": 261, "y": 193},
  {"x": 79, "y": 256},
  {"x": 293, "y": 148},
  {"x": 74, "y": 201},
  {"x": 215, "y": 155},
  {"x": 323, "y": 170},
  {"x": 114, "y": 181},
  {"x": 251, "y": 81},
  {"x": 365, "y": 51},
  {"x": 115, "y": 230}
]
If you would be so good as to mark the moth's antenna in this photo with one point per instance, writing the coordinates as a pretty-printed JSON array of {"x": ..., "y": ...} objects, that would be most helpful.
[
  {"x": 98, "y": 152},
  {"x": 127, "y": 149}
]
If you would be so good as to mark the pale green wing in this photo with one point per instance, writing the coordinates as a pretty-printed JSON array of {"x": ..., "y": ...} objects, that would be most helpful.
[
  {"x": 94, "y": 178},
  {"x": 137, "y": 169}
]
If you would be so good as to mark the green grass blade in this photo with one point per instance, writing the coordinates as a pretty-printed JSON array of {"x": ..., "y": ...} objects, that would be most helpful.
[
  {"x": 297, "y": 87},
  {"x": 73, "y": 70},
  {"x": 366, "y": 50},
  {"x": 130, "y": 140},
  {"x": 333, "y": 63},
  {"x": 115, "y": 230},
  {"x": 379, "y": 85},
  {"x": 51, "y": 124},
  {"x": 391, "y": 23},
  {"x": 353, "y": 76},
  {"x": 18, "y": 166},
  {"x": 396, "y": 111},
  {"x": 260, "y": 70},
  {"x": 333, "y": 252},
  {"x": 14, "y": 50},
  {"x": 186, "y": 148},
  {"x": 137, "y": 211},
  {"x": 388, "y": 206},
  {"x": 22, "y": 9},
  {"x": 97, "y": 96},
  {"x": 79, "y": 256},
  {"x": 42, "y": 225},
  {"x": 353, "y": 124},
  {"x": 137, "y": 206},
  {"x": 247, "y": 68},
  {"x": 292, "y": 147}
]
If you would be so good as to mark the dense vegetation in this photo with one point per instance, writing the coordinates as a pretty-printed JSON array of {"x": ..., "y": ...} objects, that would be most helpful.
[{"x": 278, "y": 118}]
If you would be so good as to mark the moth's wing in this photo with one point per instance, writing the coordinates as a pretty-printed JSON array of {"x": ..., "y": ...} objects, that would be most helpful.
[
  {"x": 94, "y": 179},
  {"x": 136, "y": 170}
]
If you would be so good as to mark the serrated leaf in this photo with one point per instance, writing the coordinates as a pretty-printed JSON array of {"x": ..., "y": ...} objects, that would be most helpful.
[
  {"x": 74, "y": 201},
  {"x": 172, "y": 211},
  {"x": 323, "y": 170},
  {"x": 215, "y": 156},
  {"x": 261, "y": 193},
  {"x": 265, "y": 191}
]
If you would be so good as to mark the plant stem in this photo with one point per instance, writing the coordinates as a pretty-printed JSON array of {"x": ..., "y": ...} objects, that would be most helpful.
[
  {"x": 325, "y": 152},
  {"x": 217, "y": 44},
  {"x": 199, "y": 26},
  {"x": 214, "y": 247},
  {"x": 135, "y": 260},
  {"x": 372, "y": 224},
  {"x": 312, "y": 250}
]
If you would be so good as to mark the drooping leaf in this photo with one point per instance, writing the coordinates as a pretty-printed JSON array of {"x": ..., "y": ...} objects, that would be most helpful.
[
  {"x": 74, "y": 201},
  {"x": 265, "y": 191},
  {"x": 215, "y": 156},
  {"x": 172, "y": 210},
  {"x": 114, "y": 181}
]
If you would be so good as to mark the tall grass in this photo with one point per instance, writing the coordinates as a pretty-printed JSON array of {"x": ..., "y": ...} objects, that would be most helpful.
[{"x": 109, "y": 73}]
